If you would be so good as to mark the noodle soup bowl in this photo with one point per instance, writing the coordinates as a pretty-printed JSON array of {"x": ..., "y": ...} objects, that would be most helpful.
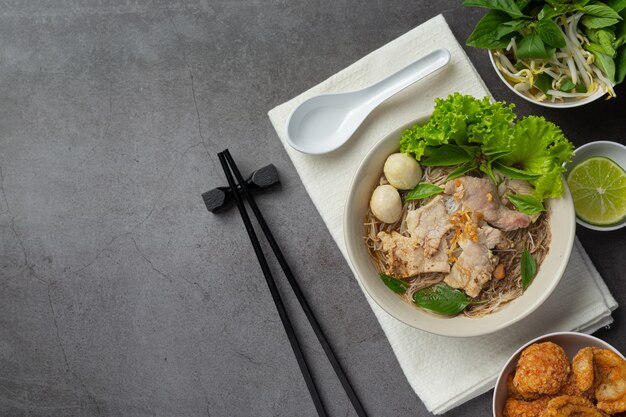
[
  {"x": 562, "y": 225},
  {"x": 566, "y": 104}
]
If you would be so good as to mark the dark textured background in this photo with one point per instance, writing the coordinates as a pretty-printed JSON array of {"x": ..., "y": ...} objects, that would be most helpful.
[{"x": 119, "y": 294}]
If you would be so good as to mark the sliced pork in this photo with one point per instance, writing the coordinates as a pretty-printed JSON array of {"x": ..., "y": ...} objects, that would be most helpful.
[
  {"x": 406, "y": 258},
  {"x": 473, "y": 268},
  {"x": 490, "y": 237},
  {"x": 428, "y": 224},
  {"x": 480, "y": 195}
]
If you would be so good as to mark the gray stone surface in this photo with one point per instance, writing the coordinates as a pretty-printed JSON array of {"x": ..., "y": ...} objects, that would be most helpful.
[{"x": 119, "y": 294}]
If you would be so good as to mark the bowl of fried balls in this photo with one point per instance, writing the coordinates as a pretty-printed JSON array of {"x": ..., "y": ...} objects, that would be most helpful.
[{"x": 562, "y": 374}]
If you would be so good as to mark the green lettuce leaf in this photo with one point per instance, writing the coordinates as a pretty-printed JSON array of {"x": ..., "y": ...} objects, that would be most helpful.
[
  {"x": 460, "y": 119},
  {"x": 539, "y": 148},
  {"x": 475, "y": 133}
]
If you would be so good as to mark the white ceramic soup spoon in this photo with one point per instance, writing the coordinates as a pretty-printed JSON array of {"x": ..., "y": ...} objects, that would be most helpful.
[{"x": 323, "y": 123}]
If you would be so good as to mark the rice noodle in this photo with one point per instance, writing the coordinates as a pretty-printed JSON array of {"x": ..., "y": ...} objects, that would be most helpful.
[{"x": 535, "y": 238}]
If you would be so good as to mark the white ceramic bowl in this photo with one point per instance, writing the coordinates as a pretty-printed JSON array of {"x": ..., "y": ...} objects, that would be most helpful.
[
  {"x": 365, "y": 180},
  {"x": 571, "y": 342},
  {"x": 612, "y": 150},
  {"x": 556, "y": 105}
]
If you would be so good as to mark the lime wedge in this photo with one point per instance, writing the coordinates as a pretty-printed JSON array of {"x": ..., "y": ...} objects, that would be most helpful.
[{"x": 598, "y": 187}]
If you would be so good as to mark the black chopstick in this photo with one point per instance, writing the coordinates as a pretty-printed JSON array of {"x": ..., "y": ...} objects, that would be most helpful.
[
  {"x": 291, "y": 279},
  {"x": 282, "y": 312}
]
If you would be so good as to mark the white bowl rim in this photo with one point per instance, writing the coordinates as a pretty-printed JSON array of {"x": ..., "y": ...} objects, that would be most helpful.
[
  {"x": 561, "y": 105},
  {"x": 589, "y": 147},
  {"x": 466, "y": 331},
  {"x": 542, "y": 338}
]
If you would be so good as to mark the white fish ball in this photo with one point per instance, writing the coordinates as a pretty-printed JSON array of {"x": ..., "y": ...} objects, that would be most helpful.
[
  {"x": 386, "y": 204},
  {"x": 402, "y": 171}
]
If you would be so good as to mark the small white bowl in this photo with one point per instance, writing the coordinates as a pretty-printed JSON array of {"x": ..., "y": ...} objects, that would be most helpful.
[
  {"x": 546, "y": 103},
  {"x": 366, "y": 178},
  {"x": 608, "y": 149},
  {"x": 571, "y": 342}
]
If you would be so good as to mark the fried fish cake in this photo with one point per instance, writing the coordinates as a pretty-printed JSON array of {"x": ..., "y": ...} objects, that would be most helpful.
[
  {"x": 568, "y": 406},
  {"x": 542, "y": 368},
  {"x": 582, "y": 368},
  {"x": 514, "y": 393},
  {"x": 522, "y": 408},
  {"x": 571, "y": 388},
  {"x": 613, "y": 407},
  {"x": 610, "y": 374}
]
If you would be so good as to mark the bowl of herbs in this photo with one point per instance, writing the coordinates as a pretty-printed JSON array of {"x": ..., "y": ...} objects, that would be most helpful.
[{"x": 555, "y": 53}]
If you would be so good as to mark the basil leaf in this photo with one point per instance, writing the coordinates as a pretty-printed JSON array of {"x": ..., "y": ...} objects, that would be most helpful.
[
  {"x": 422, "y": 191},
  {"x": 445, "y": 155},
  {"x": 600, "y": 10},
  {"x": 396, "y": 285},
  {"x": 567, "y": 85},
  {"x": 606, "y": 39},
  {"x": 594, "y": 47},
  {"x": 442, "y": 299},
  {"x": 595, "y": 22},
  {"x": 485, "y": 167},
  {"x": 463, "y": 169},
  {"x": 547, "y": 12},
  {"x": 531, "y": 46},
  {"x": 552, "y": 11},
  {"x": 592, "y": 35},
  {"x": 510, "y": 27},
  {"x": 526, "y": 203},
  {"x": 521, "y": 4},
  {"x": 599, "y": 15},
  {"x": 605, "y": 63},
  {"x": 514, "y": 173},
  {"x": 528, "y": 269},
  {"x": 494, "y": 155},
  {"x": 550, "y": 33},
  {"x": 487, "y": 34},
  {"x": 472, "y": 150},
  {"x": 507, "y": 6},
  {"x": 543, "y": 82}
]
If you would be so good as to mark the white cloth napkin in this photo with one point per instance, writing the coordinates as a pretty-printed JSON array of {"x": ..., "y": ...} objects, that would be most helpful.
[{"x": 444, "y": 372}]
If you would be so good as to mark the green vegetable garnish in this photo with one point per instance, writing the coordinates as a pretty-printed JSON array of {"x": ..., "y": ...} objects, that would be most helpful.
[
  {"x": 463, "y": 169},
  {"x": 527, "y": 33},
  {"x": 446, "y": 155},
  {"x": 543, "y": 82},
  {"x": 396, "y": 285},
  {"x": 526, "y": 204},
  {"x": 515, "y": 173},
  {"x": 439, "y": 298},
  {"x": 442, "y": 299},
  {"x": 567, "y": 86},
  {"x": 477, "y": 133},
  {"x": 422, "y": 191},
  {"x": 528, "y": 267}
]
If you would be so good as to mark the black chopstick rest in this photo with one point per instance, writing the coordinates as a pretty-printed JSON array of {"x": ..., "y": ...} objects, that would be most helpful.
[{"x": 221, "y": 198}]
